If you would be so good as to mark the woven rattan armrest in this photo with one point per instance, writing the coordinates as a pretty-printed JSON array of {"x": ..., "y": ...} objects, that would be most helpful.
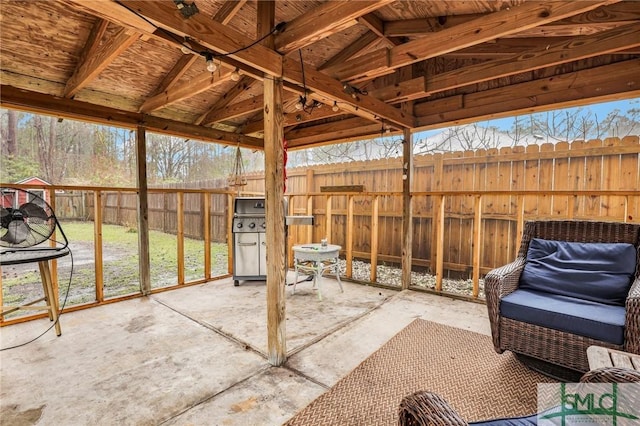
[
  {"x": 632, "y": 319},
  {"x": 498, "y": 283},
  {"x": 424, "y": 408}
]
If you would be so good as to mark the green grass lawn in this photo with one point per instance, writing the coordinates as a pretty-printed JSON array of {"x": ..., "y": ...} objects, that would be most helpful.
[{"x": 120, "y": 264}]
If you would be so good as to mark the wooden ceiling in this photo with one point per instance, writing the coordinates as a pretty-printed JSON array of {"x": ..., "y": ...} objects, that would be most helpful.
[{"x": 383, "y": 64}]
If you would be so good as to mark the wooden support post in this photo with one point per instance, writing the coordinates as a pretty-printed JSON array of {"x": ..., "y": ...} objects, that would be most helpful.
[
  {"x": 97, "y": 244},
  {"x": 407, "y": 208},
  {"x": 477, "y": 232},
  {"x": 328, "y": 221},
  {"x": 439, "y": 242},
  {"x": 349, "y": 237},
  {"x": 230, "y": 201},
  {"x": 375, "y": 225},
  {"x": 289, "y": 250},
  {"x": 180, "y": 235},
  {"x": 205, "y": 202},
  {"x": 274, "y": 191},
  {"x": 144, "y": 261}
]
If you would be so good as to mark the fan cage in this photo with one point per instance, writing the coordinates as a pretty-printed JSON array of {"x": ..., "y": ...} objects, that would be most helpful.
[{"x": 26, "y": 219}]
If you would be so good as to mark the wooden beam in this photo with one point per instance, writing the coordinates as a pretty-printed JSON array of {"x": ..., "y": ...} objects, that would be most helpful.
[
  {"x": 144, "y": 261},
  {"x": 331, "y": 90},
  {"x": 476, "y": 31},
  {"x": 322, "y": 21},
  {"x": 92, "y": 44},
  {"x": 40, "y": 103},
  {"x": 248, "y": 106},
  {"x": 213, "y": 35},
  {"x": 354, "y": 48},
  {"x": 201, "y": 83},
  {"x": 293, "y": 119},
  {"x": 102, "y": 56},
  {"x": 551, "y": 55},
  {"x": 175, "y": 74},
  {"x": 241, "y": 86},
  {"x": 274, "y": 191},
  {"x": 228, "y": 10},
  {"x": 609, "y": 82},
  {"x": 114, "y": 12},
  {"x": 376, "y": 26},
  {"x": 600, "y": 19},
  {"x": 332, "y": 132}
]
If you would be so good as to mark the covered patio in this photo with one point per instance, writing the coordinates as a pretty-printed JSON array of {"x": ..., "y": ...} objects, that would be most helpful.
[
  {"x": 286, "y": 75},
  {"x": 196, "y": 356}
]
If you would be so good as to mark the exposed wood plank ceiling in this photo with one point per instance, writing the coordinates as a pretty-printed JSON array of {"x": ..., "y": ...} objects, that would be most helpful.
[{"x": 129, "y": 62}]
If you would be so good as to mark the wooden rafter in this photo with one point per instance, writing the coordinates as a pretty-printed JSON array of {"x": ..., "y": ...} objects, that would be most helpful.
[
  {"x": 376, "y": 26},
  {"x": 322, "y": 21},
  {"x": 185, "y": 90},
  {"x": 175, "y": 74},
  {"x": 241, "y": 86},
  {"x": 228, "y": 10},
  {"x": 347, "y": 129},
  {"x": 599, "y": 84},
  {"x": 603, "y": 18},
  {"x": 476, "y": 31},
  {"x": 353, "y": 49},
  {"x": 294, "y": 119},
  {"x": 221, "y": 39},
  {"x": 99, "y": 59},
  {"x": 224, "y": 15},
  {"x": 622, "y": 38}
]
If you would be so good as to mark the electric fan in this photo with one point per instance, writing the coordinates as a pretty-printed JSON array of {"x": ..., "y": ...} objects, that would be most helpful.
[{"x": 28, "y": 225}]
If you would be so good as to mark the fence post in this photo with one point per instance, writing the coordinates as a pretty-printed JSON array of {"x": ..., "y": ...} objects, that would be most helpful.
[
  {"x": 477, "y": 231},
  {"x": 439, "y": 243},
  {"x": 180, "y": 235},
  {"x": 375, "y": 220}
]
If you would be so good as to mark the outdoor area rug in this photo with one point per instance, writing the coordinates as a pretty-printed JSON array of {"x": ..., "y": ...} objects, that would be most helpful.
[{"x": 459, "y": 365}]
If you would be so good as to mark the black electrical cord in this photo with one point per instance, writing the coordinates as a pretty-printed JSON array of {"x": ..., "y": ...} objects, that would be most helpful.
[
  {"x": 278, "y": 28},
  {"x": 64, "y": 303}
]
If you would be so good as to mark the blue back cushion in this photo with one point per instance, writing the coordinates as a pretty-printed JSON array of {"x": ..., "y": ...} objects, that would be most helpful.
[{"x": 600, "y": 272}]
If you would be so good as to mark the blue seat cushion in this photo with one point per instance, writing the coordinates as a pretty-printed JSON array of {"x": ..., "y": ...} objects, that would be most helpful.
[
  {"x": 531, "y": 420},
  {"x": 600, "y": 272},
  {"x": 586, "y": 318}
]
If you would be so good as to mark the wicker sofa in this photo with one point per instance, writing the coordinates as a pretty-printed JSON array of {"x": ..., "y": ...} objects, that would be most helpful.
[
  {"x": 558, "y": 344},
  {"x": 425, "y": 408}
]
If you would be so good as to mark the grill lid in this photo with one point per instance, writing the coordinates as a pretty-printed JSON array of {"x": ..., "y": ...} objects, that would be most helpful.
[{"x": 249, "y": 206}]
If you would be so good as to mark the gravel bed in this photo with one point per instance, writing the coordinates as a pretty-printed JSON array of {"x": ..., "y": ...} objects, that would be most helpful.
[{"x": 392, "y": 276}]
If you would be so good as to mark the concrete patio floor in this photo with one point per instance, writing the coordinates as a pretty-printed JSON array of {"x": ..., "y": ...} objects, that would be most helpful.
[{"x": 197, "y": 356}]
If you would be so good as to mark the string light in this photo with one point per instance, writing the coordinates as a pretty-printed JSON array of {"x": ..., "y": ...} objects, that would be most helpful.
[
  {"x": 335, "y": 107},
  {"x": 211, "y": 66},
  {"x": 235, "y": 75},
  {"x": 301, "y": 102}
]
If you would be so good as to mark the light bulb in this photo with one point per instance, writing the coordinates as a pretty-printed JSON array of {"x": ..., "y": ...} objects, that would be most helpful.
[
  {"x": 235, "y": 75},
  {"x": 335, "y": 107},
  {"x": 211, "y": 66},
  {"x": 185, "y": 49},
  {"x": 300, "y": 103}
]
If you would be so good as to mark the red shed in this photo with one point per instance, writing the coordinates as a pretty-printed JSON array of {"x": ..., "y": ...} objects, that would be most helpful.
[{"x": 8, "y": 196}]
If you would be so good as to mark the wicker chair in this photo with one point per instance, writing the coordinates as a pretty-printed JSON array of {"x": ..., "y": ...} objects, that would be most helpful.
[
  {"x": 424, "y": 408},
  {"x": 554, "y": 347}
]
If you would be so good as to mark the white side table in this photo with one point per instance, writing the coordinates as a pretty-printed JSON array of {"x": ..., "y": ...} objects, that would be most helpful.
[{"x": 316, "y": 259}]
